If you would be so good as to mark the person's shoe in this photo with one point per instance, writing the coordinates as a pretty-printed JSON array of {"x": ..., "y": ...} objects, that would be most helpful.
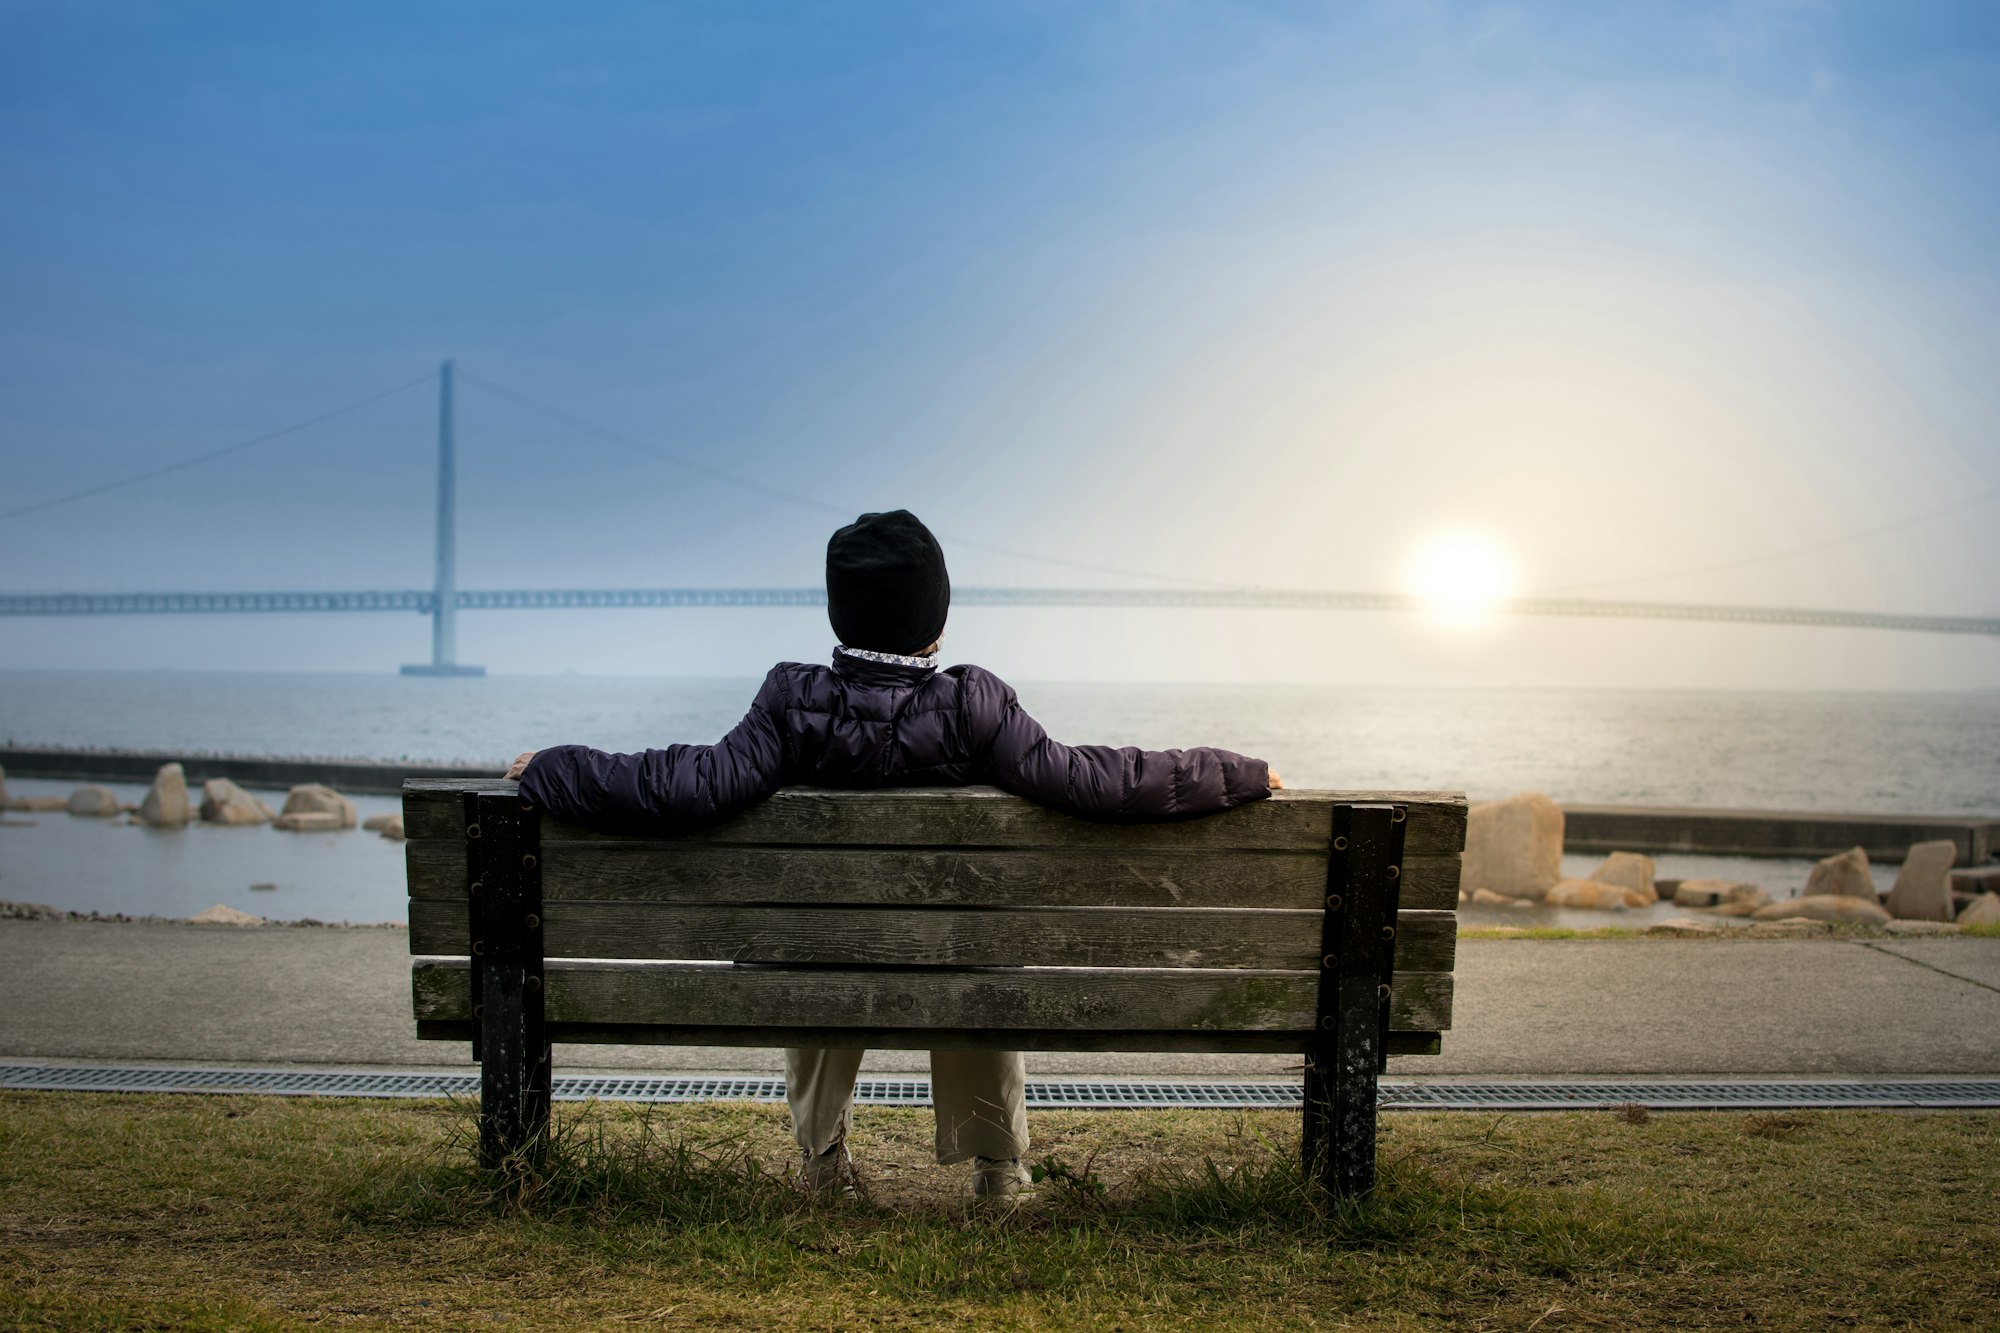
[
  {"x": 1000, "y": 1180},
  {"x": 828, "y": 1175}
]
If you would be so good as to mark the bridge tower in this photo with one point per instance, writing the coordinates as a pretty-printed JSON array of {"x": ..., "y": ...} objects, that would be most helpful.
[{"x": 444, "y": 598}]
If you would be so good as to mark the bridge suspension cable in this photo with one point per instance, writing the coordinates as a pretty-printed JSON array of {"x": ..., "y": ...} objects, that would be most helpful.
[
  {"x": 631, "y": 444},
  {"x": 213, "y": 454}
]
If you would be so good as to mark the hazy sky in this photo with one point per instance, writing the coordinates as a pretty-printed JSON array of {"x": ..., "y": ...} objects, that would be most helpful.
[{"x": 1261, "y": 294}]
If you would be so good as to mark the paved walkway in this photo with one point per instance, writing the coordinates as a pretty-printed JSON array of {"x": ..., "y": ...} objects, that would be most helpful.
[{"x": 220, "y": 995}]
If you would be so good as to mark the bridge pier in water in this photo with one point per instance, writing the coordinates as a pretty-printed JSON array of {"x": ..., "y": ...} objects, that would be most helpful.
[{"x": 444, "y": 604}]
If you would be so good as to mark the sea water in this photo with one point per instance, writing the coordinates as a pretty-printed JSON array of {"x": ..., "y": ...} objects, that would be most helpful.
[{"x": 1888, "y": 753}]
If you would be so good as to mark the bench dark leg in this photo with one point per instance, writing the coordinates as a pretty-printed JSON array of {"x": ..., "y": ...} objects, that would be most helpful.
[
  {"x": 1356, "y": 963},
  {"x": 506, "y": 917}
]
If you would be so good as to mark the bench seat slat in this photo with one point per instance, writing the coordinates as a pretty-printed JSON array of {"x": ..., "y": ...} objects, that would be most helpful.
[
  {"x": 936, "y": 936},
  {"x": 657, "y": 871},
  {"x": 1088, "y": 999},
  {"x": 911, "y": 1039},
  {"x": 984, "y": 817}
]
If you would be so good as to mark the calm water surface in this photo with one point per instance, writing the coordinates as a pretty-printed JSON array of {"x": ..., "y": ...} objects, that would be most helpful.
[{"x": 1909, "y": 753}]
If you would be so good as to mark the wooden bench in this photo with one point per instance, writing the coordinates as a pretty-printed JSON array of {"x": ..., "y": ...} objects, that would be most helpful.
[{"x": 947, "y": 917}]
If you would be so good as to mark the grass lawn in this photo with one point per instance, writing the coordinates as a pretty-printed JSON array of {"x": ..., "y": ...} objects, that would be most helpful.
[{"x": 188, "y": 1212}]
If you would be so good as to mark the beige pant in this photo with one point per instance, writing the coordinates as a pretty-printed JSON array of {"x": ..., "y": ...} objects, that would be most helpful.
[{"x": 981, "y": 1098}]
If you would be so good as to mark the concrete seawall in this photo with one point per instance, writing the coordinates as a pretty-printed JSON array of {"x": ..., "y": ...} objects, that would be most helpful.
[
  {"x": 1588, "y": 828},
  {"x": 1638, "y": 828},
  {"x": 368, "y": 777}
]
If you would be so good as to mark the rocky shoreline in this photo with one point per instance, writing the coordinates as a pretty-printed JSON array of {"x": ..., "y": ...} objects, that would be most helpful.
[
  {"x": 310, "y": 807},
  {"x": 1513, "y": 860},
  {"x": 10, "y": 911}
]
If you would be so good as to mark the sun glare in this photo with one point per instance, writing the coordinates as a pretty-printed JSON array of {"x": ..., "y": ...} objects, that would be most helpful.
[{"x": 1463, "y": 576}]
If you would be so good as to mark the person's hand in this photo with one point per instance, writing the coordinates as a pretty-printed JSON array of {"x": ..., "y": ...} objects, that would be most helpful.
[
  {"x": 520, "y": 764},
  {"x": 1277, "y": 783}
]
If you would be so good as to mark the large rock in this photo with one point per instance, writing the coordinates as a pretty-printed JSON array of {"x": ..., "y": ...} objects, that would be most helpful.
[
  {"x": 1922, "y": 891},
  {"x": 166, "y": 804},
  {"x": 389, "y": 826},
  {"x": 314, "y": 799},
  {"x": 1846, "y": 874},
  {"x": 1716, "y": 893},
  {"x": 223, "y": 802},
  {"x": 220, "y": 915},
  {"x": 1591, "y": 894},
  {"x": 1514, "y": 846},
  {"x": 1824, "y": 907},
  {"x": 1985, "y": 911},
  {"x": 41, "y": 805},
  {"x": 1629, "y": 870},
  {"x": 97, "y": 802}
]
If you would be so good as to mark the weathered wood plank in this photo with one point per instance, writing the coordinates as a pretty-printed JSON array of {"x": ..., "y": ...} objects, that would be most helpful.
[
  {"x": 986, "y": 817},
  {"x": 655, "y": 871},
  {"x": 1019, "y": 999},
  {"x": 937, "y": 936},
  {"x": 908, "y": 1039}
]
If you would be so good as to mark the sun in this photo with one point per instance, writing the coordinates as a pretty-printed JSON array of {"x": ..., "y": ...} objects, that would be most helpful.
[{"x": 1463, "y": 576}]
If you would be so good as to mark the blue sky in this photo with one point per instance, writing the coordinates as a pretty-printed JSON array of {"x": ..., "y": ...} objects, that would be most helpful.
[{"x": 1233, "y": 293}]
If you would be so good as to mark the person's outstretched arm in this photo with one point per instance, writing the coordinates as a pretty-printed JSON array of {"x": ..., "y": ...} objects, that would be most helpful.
[
  {"x": 678, "y": 788},
  {"x": 1101, "y": 782}
]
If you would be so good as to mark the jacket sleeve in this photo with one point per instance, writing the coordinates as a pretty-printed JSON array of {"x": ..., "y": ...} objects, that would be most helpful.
[
  {"x": 679, "y": 788},
  {"x": 1124, "y": 785}
]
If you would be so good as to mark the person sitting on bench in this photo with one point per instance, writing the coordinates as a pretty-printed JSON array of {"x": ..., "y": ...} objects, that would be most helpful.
[{"x": 884, "y": 714}]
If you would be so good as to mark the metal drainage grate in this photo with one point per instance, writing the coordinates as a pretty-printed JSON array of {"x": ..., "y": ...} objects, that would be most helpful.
[
  {"x": 1082, "y": 1094},
  {"x": 645, "y": 1088},
  {"x": 1140, "y": 1094},
  {"x": 1721, "y": 1095},
  {"x": 266, "y": 1082}
]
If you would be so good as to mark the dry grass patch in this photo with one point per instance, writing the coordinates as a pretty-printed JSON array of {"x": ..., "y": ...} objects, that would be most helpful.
[{"x": 189, "y": 1212}]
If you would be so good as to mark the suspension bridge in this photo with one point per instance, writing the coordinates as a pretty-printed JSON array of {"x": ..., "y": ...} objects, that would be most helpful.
[{"x": 444, "y": 599}]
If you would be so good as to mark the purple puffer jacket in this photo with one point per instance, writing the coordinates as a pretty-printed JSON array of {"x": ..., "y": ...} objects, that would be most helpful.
[{"x": 864, "y": 723}]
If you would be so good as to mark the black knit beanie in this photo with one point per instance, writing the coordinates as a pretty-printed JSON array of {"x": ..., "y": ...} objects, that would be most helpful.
[{"x": 886, "y": 586}]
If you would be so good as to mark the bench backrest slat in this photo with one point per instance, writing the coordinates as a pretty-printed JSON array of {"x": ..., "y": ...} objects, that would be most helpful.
[
  {"x": 1024, "y": 1001},
  {"x": 650, "y": 871},
  {"x": 937, "y": 936},
  {"x": 957, "y": 817}
]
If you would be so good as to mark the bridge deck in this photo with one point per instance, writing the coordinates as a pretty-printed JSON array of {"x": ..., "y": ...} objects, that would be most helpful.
[{"x": 424, "y": 602}]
